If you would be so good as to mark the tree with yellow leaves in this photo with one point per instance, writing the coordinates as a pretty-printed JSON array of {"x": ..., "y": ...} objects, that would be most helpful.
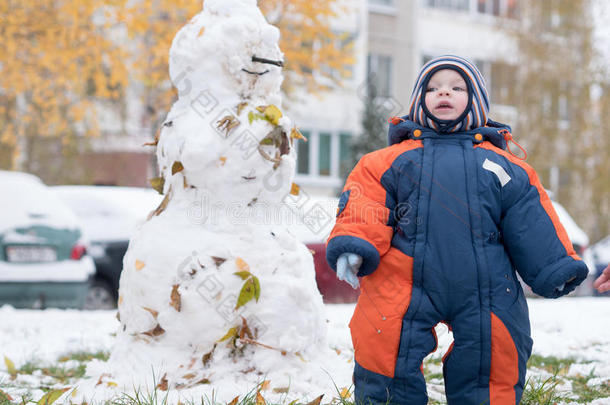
[
  {"x": 63, "y": 61},
  {"x": 58, "y": 65},
  {"x": 307, "y": 40}
]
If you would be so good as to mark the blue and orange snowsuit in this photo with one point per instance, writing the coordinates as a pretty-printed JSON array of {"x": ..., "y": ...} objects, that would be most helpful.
[{"x": 442, "y": 220}]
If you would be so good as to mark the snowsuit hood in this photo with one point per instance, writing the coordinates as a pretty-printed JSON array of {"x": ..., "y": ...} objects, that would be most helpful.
[{"x": 476, "y": 113}]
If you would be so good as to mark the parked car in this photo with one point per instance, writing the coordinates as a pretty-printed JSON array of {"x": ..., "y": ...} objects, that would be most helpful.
[
  {"x": 597, "y": 257},
  {"x": 110, "y": 216},
  {"x": 43, "y": 260}
]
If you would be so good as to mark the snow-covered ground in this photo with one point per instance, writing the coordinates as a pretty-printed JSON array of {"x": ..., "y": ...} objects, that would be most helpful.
[{"x": 565, "y": 328}]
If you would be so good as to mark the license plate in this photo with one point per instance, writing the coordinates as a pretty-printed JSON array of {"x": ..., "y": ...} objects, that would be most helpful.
[{"x": 30, "y": 254}]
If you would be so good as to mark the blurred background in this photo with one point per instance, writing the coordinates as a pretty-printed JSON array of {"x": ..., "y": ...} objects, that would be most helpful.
[{"x": 84, "y": 85}]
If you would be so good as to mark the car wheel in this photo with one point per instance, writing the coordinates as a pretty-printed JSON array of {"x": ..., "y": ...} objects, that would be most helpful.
[{"x": 100, "y": 296}]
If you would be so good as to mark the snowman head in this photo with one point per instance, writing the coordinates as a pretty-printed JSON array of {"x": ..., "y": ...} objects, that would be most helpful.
[{"x": 231, "y": 49}]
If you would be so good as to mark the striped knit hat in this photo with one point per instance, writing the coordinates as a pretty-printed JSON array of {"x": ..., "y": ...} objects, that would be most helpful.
[{"x": 473, "y": 117}]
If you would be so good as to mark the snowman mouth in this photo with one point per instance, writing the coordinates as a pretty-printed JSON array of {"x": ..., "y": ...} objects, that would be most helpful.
[{"x": 255, "y": 73}]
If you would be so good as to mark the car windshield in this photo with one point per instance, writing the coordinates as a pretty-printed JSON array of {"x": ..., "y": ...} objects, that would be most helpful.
[
  {"x": 109, "y": 213},
  {"x": 26, "y": 201}
]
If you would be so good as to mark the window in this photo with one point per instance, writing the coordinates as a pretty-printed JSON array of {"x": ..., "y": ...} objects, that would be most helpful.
[
  {"x": 379, "y": 74},
  {"x": 450, "y": 4},
  {"x": 499, "y": 8},
  {"x": 324, "y": 154},
  {"x": 501, "y": 83},
  {"x": 564, "y": 106},
  {"x": 303, "y": 154},
  {"x": 512, "y": 9},
  {"x": 345, "y": 154}
]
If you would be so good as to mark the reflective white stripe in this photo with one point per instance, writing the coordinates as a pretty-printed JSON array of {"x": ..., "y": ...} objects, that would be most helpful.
[{"x": 498, "y": 170}]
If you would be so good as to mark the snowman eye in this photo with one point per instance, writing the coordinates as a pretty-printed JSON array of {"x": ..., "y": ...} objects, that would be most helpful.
[{"x": 267, "y": 61}]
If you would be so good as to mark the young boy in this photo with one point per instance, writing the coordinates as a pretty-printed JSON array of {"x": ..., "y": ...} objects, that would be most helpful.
[{"x": 435, "y": 225}]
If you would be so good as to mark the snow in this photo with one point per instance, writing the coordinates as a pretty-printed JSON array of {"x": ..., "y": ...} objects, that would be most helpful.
[
  {"x": 312, "y": 218},
  {"x": 31, "y": 203},
  {"x": 215, "y": 259},
  {"x": 106, "y": 213},
  {"x": 581, "y": 332}
]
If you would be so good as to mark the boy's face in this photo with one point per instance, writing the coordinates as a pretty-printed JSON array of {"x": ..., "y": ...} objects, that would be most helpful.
[{"x": 446, "y": 95}]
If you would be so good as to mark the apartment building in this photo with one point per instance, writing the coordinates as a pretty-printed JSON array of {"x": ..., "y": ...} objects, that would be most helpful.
[
  {"x": 391, "y": 39},
  {"x": 400, "y": 36}
]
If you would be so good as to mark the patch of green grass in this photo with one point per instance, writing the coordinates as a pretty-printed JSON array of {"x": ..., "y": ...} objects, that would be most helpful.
[
  {"x": 542, "y": 391},
  {"x": 64, "y": 374},
  {"x": 140, "y": 398},
  {"x": 85, "y": 356},
  {"x": 60, "y": 371},
  {"x": 588, "y": 392},
  {"x": 552, "y": 364},
  {"x": 28, "y": 368},
  {"x": 438, "y": 360}
]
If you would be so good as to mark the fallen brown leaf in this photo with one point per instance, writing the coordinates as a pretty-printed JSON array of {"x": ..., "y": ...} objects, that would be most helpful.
[
  {"x": 162, "y": 206},
  {"x": 157, "y": 184},
  {"x": 176, "y": 300},
  {"x": 316, "y": 401},
  {"x": 152, "y": 312},
  {"x": 240, "y": 107},
  {"x": 241, "y": 264},
  {"x": 177, "y": 167},
  {"x": 163, "y": 385},
  {"x": 154, "y": 332},
  {"x": 218, "y": 260},
  {"x": 5, "y": 396},
  {"x": 245, "y": 329},
  {"x": 208, "y": 356},
  {"x": 99, "y": 380},
  {"x": 295, "y": 189}
]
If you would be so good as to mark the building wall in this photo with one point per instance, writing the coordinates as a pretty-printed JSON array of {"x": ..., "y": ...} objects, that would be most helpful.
[
  {"x": 392, "y": 34},
  {"x": 327, "y": 119},
  {"x": 131, "y": 169}
]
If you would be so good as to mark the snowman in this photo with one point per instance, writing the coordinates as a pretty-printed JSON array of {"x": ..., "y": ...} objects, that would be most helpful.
[{"x": 216, "y": 294}]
